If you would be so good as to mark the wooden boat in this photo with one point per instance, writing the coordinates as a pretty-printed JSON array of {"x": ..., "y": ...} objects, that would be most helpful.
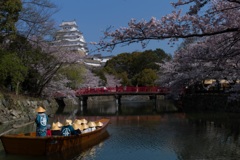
[{"x": 30, "y": 144}]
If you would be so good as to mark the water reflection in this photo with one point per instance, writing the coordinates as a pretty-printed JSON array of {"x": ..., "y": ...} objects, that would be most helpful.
[
  {"x": 169, "y": 136},
  {"x": 74, "y": 153},
  {"x": 102, "y": 108},
  {"x": 139, "y": 133},
  {"x": 220, "y": 134}
]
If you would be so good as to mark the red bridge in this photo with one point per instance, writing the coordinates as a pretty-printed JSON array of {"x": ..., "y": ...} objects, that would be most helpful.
[
  {"x": 117, "y": 92},
  {"x": 122, "y": 90}
]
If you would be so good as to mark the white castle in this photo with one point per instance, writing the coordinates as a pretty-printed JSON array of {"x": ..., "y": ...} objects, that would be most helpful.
[{"x": 70, "y": 38}]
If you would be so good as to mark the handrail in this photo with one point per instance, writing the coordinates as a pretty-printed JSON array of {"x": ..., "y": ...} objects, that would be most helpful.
[{"x": 122, "y": 89}]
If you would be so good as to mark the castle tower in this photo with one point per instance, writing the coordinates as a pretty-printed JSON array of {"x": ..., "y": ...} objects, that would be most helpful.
[{"x": 70, "y": 38}]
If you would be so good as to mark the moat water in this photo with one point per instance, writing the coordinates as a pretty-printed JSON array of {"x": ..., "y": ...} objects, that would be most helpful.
[{"x": 140, "y": 131}]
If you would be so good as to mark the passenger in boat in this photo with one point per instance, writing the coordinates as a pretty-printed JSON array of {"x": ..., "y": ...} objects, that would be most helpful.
[
  {"x": 76, "y": 127},
  {"x": 85, "y": 128},
  {"x": 92, "y": 126},
  {"x": 77, "y": 132},
  {"x": 67, "y": 129},
  {"x": 56, "y": 130},
  {"x": 41, "y": 121},
  {"x": 99, "y": 125},
  {"x": 59, "y": 124},
  {"x": 49, "y": 132}
]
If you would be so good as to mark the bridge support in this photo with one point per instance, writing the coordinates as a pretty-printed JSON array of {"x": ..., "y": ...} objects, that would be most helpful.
[
  {"x": 154, "y": 98},
  {"x": 83, "y": 103},
  {"x": 83, "y": 100},
  {"x": 118, "y": 104},
  {"x": 118, "y": 99}
]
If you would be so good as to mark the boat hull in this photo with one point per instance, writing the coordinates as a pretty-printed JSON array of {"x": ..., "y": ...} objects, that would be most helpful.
[{"x": 30, "y": 144}]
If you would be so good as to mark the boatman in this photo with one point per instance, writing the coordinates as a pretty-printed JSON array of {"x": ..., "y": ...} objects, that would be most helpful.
[{"x": 41, "y": 121}]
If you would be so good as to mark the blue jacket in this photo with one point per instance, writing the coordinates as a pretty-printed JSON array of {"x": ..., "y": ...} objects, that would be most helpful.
[
  {"x": 68, "y": 130},
  {"x": 41, "y": 121}
]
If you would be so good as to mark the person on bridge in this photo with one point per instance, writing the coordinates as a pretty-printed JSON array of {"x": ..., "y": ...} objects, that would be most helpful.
[{"x": 41, "y": 122}]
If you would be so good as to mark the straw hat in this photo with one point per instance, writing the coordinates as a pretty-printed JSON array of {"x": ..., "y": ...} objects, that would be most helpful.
[
  {"x": 76, "y": 126},
  {"x": 40, "y": 109},
  {"x": 91, "y": 124},
  {"x": 84, "y": 121},
  {"x": 81, "y": 127},
  {"x": 78, "y": 121},
  {"x": 59, "y": 124},
  {"x": 55, "y": 127},
  {"x": 99, "y": 124},
  {"x": 68, "y": 122},
  {"x": 85, "y": 126}
]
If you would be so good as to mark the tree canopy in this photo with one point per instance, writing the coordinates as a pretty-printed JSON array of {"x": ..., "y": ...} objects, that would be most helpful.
[
  {"x": 9, "y": 14},
  {"x": 136, "y": 68}
]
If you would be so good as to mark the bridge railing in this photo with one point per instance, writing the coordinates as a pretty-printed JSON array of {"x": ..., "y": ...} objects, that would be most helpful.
[{"x": 124, "y": 89}]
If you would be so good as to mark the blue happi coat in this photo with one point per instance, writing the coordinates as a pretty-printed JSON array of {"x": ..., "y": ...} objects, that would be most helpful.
[
  {"x": 41, "y": 121},
  {"x": 68, "y": 130}
]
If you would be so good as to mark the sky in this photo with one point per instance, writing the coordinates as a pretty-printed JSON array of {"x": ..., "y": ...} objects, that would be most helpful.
[{"x": 93, "y": 17}]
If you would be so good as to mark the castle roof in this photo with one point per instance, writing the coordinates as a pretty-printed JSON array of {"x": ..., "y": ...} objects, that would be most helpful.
[{"x": 68, "y": 23}]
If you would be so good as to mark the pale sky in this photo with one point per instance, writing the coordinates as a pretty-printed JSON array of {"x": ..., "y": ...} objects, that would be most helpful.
[{"x": 94, "y": 16}]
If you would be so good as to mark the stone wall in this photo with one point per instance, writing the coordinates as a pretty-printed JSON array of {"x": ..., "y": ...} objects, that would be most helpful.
[{"x": 19, "y": 110}]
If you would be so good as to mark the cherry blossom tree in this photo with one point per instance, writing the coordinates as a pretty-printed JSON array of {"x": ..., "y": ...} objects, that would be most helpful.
[
  {"x": 212, "y": 25},
  {"x": 206, "y": 58},
  {"x": 204, "y": 18},
  {"x": 52, "y": 80},
  {"x": 35, "y": 19}
]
